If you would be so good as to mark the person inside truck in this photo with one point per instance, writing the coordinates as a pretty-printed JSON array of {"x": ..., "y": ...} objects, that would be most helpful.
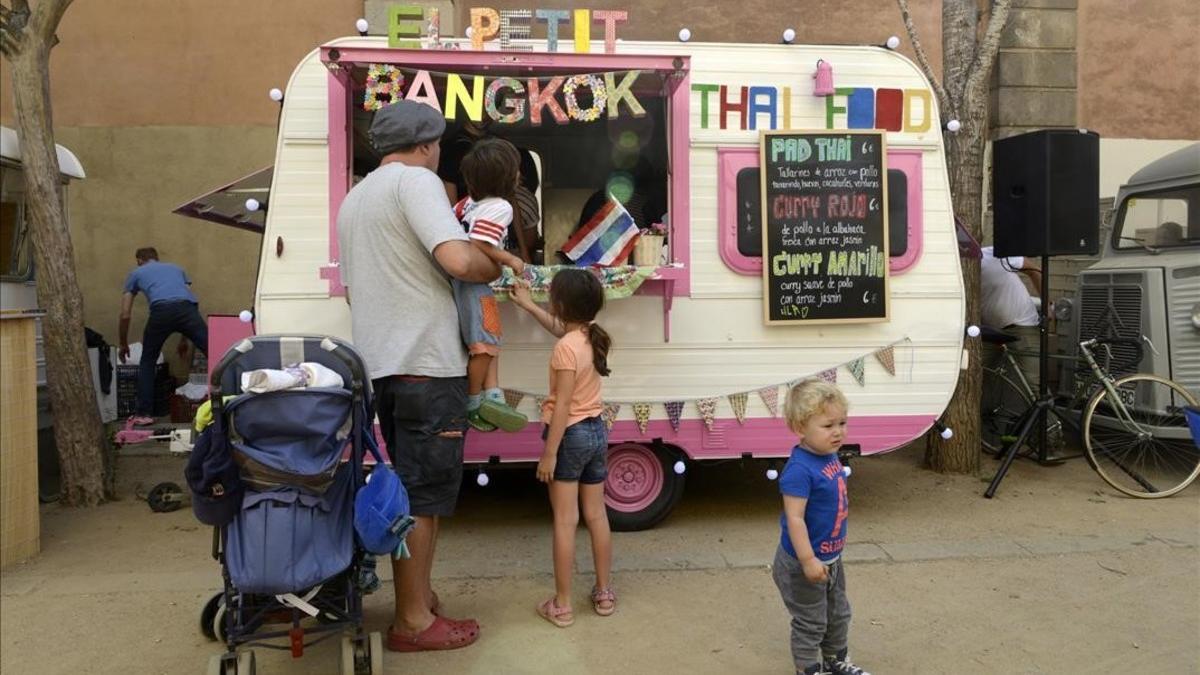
[{"x": 1169, "y": 233}]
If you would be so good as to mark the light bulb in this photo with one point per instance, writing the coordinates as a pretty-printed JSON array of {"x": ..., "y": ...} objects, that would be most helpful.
[
  {"x": 772, "y": 474},
  {"x": 893, "y": 42},
  {"x": 362, "y": 26},
  {"x": 973, "y": 331},
  {"x": 846, "y": 471},
  {"x": 789, "y": 35},
  {"x": 684, "y": 35},
  {"x": 482, "y": 479},
  {"x": 680, "y": 467},
  {"x": 953, "y": 126},
  {"x": 245, "y": 316},
  {"x": 947, "y": 433},
  {"x": 470, "y": 31},
  {"x": 276, "y": 94},
  {"x": 252, "y": 204}
]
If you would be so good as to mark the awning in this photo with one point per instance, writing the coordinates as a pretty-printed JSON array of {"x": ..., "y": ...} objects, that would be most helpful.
[
  {"x": 227, "y": 205},
  {"x": 10, "y": 149}
]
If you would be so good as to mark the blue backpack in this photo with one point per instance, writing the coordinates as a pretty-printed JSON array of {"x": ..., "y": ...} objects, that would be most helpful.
[{"x": 381, "y": 510}]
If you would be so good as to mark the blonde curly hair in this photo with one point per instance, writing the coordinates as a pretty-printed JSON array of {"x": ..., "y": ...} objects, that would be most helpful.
[{"x": 809, "y": 397}]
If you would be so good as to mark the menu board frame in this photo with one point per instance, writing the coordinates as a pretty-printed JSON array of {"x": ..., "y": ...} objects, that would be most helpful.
[{"x": 859, "y": 135}]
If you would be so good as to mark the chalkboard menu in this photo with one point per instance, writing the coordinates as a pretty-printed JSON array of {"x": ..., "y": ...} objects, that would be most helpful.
[{"x": 824, "y": 226}]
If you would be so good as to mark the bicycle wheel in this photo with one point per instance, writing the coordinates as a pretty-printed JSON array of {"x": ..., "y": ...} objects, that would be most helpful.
[
  {"x": 1141, "y": 445},
  {"x": 1001, "y": 404}
]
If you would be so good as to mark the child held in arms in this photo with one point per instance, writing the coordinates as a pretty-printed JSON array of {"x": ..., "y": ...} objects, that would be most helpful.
[{"x": 491, "y": 171}]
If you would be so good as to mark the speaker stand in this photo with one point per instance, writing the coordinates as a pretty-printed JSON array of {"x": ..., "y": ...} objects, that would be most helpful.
[{"x": 1039, "y": 411}]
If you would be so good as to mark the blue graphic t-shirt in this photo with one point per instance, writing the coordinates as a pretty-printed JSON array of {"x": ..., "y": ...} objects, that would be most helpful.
[
  {"x": 161, "y": 282},
  {"x": 820, "y": 480}
]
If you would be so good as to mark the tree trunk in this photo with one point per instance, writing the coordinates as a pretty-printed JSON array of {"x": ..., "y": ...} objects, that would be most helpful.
[{"x": 77, "y": 427}]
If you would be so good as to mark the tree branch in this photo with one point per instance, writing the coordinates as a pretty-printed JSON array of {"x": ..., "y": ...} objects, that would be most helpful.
[
  {"x": 45, "y": 18},
  {"x": 922, "y": 59},
  {"x": 985, "y": 55}
]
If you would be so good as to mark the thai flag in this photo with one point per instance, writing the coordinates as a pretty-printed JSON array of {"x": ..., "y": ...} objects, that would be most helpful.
[{"x": 606, "y": 240}]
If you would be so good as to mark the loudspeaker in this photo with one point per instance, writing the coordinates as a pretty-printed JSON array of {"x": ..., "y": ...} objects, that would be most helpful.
[{"x": 1046, "y": 193}]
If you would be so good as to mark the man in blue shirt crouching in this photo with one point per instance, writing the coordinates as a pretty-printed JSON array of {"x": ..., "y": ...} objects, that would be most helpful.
[{"x": 173, "y": 309}]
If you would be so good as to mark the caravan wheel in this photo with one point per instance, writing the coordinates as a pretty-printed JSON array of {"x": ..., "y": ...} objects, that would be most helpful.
[{"x": 642, "y": 487}]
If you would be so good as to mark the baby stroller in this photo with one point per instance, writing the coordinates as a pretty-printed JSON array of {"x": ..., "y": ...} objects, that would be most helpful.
[{"x": 288, "y": 553}]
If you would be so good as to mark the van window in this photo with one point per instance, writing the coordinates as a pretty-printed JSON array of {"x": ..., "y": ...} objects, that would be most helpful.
[
  {"x": 16, "y": 258},
  {"x": 1156, "y": 220},
  {"x": 740, "y": 208}
]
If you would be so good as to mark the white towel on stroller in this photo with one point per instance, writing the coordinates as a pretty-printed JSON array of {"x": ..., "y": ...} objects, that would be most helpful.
[{"x": 298, "y": 376}]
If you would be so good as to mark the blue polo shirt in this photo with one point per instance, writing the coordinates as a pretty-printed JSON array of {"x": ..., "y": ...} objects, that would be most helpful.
[
  {"x": 820, "y": 480},
  {"x": 161, "y": 282}
]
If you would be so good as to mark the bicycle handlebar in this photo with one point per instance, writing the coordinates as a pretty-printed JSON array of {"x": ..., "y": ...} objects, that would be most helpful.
[{"x": 1139, "y": 350}]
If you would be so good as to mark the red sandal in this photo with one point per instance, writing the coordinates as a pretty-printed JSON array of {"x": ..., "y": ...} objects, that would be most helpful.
[
  {"x": 601, "y": 596},
  {"x": 442, "y": 634},
  {"x": 550, "y": 611}
]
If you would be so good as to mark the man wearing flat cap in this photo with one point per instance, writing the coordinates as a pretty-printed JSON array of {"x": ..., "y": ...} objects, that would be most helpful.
[{"x": 399, "y": 244}]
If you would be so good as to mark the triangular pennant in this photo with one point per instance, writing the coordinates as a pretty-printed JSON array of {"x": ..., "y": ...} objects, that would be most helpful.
[
  {"x": 609, "y": 414},
  {"x": 857, "y": 369},
  {"x": 708, "y": 411},
  {"x": 738, "y": 402},
  {"x": 887, "y": 357},
  {"x": 513, "y": 397},
  {"x": 770, "y": 396},
  {"x": 829, "y": 376},
  {"x": 674, "y": 411},
  {"x": 539, "y": 401},
  {"x": 641, "y": 412}
]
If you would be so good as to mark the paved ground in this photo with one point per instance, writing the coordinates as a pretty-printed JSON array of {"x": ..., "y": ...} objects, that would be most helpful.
[{"x": 1058, "y": 574}]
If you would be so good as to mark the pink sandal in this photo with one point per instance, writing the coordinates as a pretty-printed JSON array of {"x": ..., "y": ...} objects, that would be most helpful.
[
  {"x": 550, "y": 611},
  {"x": 604, "y": 595}
]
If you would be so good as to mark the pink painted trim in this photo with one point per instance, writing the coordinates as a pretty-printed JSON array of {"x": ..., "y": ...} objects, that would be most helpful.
[
  {"x": 733, "y": 159},
  {"x": 339, "y": 170},
  {"x": 763, "y": 438},
  {"x": 909, "y": 161},
  {"x": 223, "y": 332},
  {"x": 465, "y": 58},
  {"x": 729, "y": 162},
  {"x": 679, "y": 241}
]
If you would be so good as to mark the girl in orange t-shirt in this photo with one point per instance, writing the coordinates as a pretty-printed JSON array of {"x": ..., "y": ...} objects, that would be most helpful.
[{"x": 573, "y": 463}]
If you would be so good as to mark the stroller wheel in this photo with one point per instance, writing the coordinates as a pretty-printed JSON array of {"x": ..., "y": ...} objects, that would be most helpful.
[
  {"x": 165, "y": 497},
  {"x": 219, "y": 631},
  {"x": 347, "y": 656},
  {"x": 245, "y": 663},
  {"x": 214, "y": 604}
]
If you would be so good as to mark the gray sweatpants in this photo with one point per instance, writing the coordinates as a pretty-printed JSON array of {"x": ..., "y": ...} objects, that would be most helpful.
[{"x": 820, "y": 612}]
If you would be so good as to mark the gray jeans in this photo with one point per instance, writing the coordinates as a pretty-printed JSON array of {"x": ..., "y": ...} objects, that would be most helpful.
[{"x": 820, "y": 612}]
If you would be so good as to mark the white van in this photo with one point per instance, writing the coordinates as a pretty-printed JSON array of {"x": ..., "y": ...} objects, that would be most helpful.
[{"x": 693, "y": 357}]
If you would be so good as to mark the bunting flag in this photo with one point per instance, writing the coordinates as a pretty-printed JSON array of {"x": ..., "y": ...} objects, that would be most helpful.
[
  {"x": 513, "y": 398},
  {"x": 770, "y": 396},
  {"x": 674, "y": 410},
  {"x": 609, "y": 414},
  {"x": 887, "y": 357},
  {"x": 829, "y": 376},
  {"x": 538, "y": 401},
  {"x": 606, "y": 239},
  {"x": 708, "y": 411},
  {"x": 641, "y": 412},
  {"x": 738, "y": 403},
  {"x": 857, "y": 368}
]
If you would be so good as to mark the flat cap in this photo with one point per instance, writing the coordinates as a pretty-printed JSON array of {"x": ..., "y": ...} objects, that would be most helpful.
[{"x": 405, "y": 123}]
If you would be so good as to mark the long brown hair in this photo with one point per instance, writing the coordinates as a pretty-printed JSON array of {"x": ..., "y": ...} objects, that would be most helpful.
[{"x": 576, "y": 296}]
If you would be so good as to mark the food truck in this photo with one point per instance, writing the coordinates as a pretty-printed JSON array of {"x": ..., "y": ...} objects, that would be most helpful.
[{"x": 850, "y": 273}]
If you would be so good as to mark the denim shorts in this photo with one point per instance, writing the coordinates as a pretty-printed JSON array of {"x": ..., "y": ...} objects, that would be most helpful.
[
  {"x": 583, "y": 452},
  {"x": 478, "y": 317},
  {"x": 414, "y": 412}
]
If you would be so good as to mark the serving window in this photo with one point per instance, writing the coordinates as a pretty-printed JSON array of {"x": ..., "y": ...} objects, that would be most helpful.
[
  {"x": 558, "y": 110},
  {"x": 740, "y": 209}
]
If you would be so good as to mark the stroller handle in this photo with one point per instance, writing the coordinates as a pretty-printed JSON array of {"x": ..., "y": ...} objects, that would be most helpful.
[{"x": 246, "y": 345}]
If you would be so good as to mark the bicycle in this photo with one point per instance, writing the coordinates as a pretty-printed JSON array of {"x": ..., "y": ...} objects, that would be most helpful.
[
  {"x": 1007, "y": 394},
  {"x": 1134, "y": 428}
]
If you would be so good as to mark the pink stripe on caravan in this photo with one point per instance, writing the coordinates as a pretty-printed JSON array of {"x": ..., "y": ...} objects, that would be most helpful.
[{"x": 762, "y": 438}]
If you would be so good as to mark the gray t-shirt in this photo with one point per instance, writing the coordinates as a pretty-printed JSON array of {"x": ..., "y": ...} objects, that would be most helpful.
[{"x": 402, "y": 311}]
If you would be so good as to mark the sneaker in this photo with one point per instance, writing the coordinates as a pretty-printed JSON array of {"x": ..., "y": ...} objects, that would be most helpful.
[
  {"x": 141, "y": 420},
  {"x": 502, "y": 416},
  {"x": 814, "y": 669},
  {"x": 840, "y": 665},
  {"x": 477, "y": 422}
]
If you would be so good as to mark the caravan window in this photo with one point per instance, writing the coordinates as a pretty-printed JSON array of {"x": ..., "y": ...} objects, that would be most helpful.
[
  {"x": 741, "y": 209},
  {"x": 16, "y": 258}
]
